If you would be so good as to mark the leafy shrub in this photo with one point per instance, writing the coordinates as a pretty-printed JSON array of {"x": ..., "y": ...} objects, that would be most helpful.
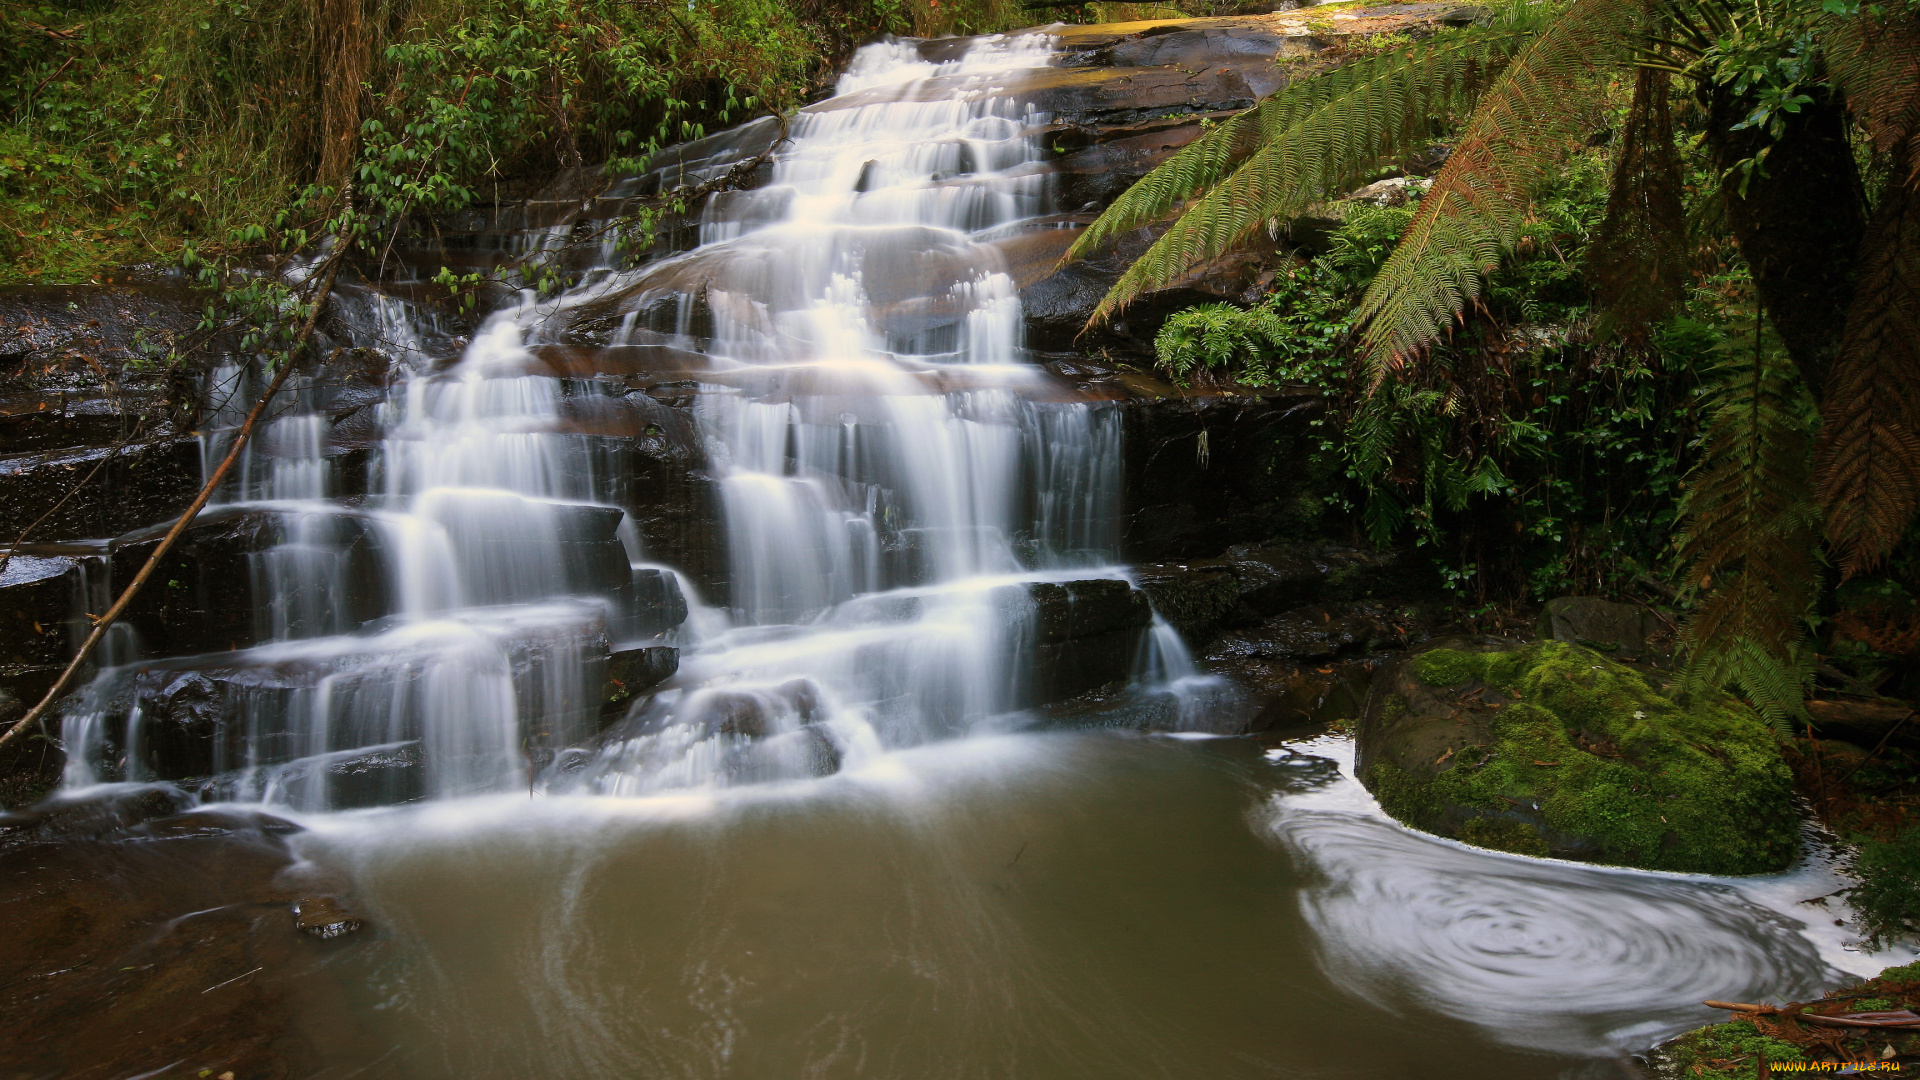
[{"x": 1887, "y": 900}]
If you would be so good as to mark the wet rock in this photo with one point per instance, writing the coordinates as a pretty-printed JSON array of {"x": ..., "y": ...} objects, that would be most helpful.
[
  {"x": 325, "y": 918},
  {"x": 208, "y": 718},
  {"x": 91, "y": 817},
  {"x": 38, "y": 610},
  {"x": 1084, "y": 609},
  {"x": 1619, "y": 630},
  {"x": 1314, "y": 632},
  {"x": 793, "y": 755},
  {"x": 1204, "y": 472},
  {"x": 211, "y": 591},
  {"x": 634, "y": 671},
  {"x": 751, "y": 713},
  {"x": 134, "y": 485},
  {"x": 658, "y": 603},
  {"x": 1195, "y": 600},
  {"x": 1251, "y": 583},
  {"x": 1393, "y": 191},
  {"x": 1553, "y": 749},
  {"x": 1086, "y": 634},
  {"x": 159, "y": 948}
]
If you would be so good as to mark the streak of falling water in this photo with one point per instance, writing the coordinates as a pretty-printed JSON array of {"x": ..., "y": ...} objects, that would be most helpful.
[
  {"x": 880, "y": 521},
  {"x": 884, "y": 514}
]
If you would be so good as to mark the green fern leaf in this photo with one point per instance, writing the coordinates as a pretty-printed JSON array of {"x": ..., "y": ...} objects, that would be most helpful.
[
  {"x": 1528, "y": 122},
  {"x": 1309, "y": 142},
  {"x": 1750, "y": 533}
]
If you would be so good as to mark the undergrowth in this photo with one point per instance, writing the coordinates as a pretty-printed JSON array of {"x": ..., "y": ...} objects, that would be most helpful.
[{"x": 134, "y": 130}]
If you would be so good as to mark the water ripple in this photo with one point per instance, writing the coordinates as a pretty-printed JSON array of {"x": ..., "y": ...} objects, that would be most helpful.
[{"x": 1544, "y": 955}]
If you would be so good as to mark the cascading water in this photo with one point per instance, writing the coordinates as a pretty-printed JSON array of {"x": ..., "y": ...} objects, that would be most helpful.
[
  {"x": 895, "y": 479},
  {"x": 918, "y": 543}
]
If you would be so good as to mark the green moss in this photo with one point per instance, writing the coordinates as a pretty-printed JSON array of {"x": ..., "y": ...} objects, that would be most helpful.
[
  {"x": 1447, "y": 667},
  {"x": 1729, "y": 1049},
  {"x": 1504, "y": 835},
  {"x": 1451, "y": 667},
  {"x": 1610, "y": 765},
  {"x": 1902, "y": 974}
]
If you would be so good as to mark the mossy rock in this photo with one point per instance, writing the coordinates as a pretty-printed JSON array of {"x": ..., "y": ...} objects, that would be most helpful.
[{"x": 1552, "y": 749}]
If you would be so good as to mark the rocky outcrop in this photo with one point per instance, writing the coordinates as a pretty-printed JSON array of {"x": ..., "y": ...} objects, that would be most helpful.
[
  {"x": 196, "y": 911},
  {"x": 1619, "y": 630},
  {"x": 1085, "y": 634},
  {"x": 206, "y": 719},
  {"x": 1553, "y": 749}
]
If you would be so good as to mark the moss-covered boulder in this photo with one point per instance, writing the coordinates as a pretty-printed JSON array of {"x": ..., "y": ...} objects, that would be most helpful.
[{"x": 1552, "y": 749}]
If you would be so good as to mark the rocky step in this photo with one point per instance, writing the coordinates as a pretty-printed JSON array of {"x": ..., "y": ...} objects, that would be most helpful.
[
  {"x": 372, "y": 717},
  {"x": 244, "y": 575}
]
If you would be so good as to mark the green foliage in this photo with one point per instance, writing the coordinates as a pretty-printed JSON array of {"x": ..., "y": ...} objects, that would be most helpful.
[
  {"x": 1656, "y": 783},
  {"x": 1308, "y": 142},
  {"x": 1729, "y": 1049},
  {"x": 129, "y": 128},
  {"x": 1887, "y": 900},
  {"x": 1561, "y": 454},
  {"x": 1750, "y": 537}
]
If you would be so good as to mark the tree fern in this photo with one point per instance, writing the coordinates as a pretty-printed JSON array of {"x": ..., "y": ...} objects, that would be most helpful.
[
  {"x": 1869, "y": 475},
  {"x": 1310, "y": 141},
  {"x": 1869, "y": 471},
  {"x": 1534, "y": 115},
  {"x": 1639, "y": 258},
  {"x": 1750, "y": 533}
]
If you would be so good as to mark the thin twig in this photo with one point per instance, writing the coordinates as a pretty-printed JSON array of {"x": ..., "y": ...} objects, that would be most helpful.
[
  {"x": 105, "y": 622},
  {"x": 1884, "y": 739}
]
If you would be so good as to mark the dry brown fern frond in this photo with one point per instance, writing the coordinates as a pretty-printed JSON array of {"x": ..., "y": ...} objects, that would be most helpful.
[
  {"x": 1875, "y": 60},
  {"x": 1869, "y": 456},
  {"x": 1639, "y": 262}
]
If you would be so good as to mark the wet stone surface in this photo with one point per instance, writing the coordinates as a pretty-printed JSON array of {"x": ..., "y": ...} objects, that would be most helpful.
[{"x": 164, "y": 937}]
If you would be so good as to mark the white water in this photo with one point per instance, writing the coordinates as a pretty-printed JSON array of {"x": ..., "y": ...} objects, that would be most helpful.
[{"x": 882, "y": 510}]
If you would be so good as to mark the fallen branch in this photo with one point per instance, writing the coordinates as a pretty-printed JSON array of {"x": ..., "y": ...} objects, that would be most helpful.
[
  {"x": 329, "y": 271},
  {"x": 1898, "y": 1019}
]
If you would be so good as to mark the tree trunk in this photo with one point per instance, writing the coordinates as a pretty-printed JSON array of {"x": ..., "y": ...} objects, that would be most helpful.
[{"x": 1800, "y": 223}]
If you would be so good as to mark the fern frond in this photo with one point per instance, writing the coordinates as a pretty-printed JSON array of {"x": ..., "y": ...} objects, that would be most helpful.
[
  {"x": 1309, "y": 142},
  {"x": 1530, "y": 120},
  {"x": 1639, "y": 256},
  {"x": 1869, "y": 453},
  {"x": 1749, "y": 533},
  {"x": 1875, "y": 60}
]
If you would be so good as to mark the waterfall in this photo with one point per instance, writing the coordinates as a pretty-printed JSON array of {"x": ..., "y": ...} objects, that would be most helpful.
[{"x": 899, "y": 487}]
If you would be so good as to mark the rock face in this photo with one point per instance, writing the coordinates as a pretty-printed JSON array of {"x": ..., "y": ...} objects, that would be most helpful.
[
  {"x": 1619, "y": 630},
  {"x": 1553, "y": 749},
  {"x": 1086, "y": 634}
]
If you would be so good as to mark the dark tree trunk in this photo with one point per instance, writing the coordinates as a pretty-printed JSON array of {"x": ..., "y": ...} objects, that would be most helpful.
[{"x": 1800, "y": 222}]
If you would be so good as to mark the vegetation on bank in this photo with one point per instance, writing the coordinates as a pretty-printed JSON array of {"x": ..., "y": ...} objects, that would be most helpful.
[
  {"x": 1736, "y": 1048},
  {"x": 1651, "y": 330},
  {"x": 136, "y": 131}
]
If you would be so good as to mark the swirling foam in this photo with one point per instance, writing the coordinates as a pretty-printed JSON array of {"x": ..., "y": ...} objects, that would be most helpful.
[{"x": 1544, "y": 955}]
